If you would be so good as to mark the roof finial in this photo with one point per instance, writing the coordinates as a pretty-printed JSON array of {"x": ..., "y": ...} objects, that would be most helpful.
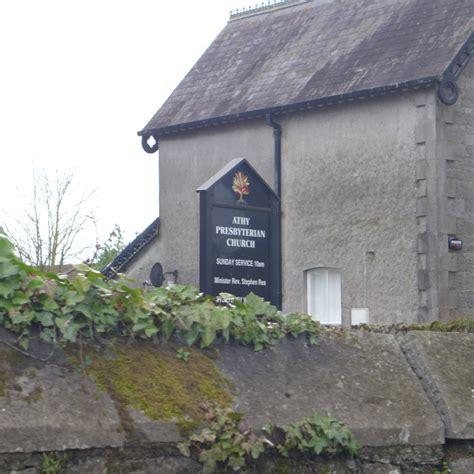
[{"x": 257, "y": 7}]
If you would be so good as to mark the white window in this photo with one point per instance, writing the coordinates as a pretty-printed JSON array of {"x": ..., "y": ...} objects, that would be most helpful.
[{"x": 323, "y": 293}]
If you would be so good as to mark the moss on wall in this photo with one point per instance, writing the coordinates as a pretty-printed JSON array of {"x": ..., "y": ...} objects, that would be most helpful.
[
  {"x": 9, "y": 360},
  {"x": 458, "y": 325},
  {"x": 153, "y": 379},
  {"x": 3, "y": 379}
]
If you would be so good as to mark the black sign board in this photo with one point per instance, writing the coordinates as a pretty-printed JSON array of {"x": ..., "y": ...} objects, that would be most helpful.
[{"x": 239, "y": 242}]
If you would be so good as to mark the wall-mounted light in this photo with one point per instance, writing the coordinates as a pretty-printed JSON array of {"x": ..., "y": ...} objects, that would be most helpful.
[
  {"x": 171, "y": 278},
  {"x": 158, "y": 277}
]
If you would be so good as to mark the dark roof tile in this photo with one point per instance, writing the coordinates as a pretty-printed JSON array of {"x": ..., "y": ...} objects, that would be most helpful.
[{"x": 318, "y": 49}]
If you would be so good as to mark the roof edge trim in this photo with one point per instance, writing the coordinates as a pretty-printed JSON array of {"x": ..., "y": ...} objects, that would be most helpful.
[
  {"x": 120, "y": 262},
  {"x": 462, "y": 58},
  {"x": 448, "y": 90},
  {"x": 264, "y": 8},
  {"x": 289, "y": 108}
]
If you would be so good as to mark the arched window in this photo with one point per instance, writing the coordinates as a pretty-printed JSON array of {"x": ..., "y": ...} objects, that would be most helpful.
[{"x": 323, "y": 293}]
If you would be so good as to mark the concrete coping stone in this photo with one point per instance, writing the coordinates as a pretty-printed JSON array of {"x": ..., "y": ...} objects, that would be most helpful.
[
  {"x": 363, "y": 380},
  {"x": 385, "y": 397},
  {"x": 444, "y": 362}
]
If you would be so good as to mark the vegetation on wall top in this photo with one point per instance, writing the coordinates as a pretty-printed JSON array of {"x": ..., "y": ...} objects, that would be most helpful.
[
  {"x": 87, "y": 306},
  {"x": 229, "y": 442}
]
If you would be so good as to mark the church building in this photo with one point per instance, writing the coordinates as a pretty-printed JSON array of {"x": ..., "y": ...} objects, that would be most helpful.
[{"x": 360, "y": 115}]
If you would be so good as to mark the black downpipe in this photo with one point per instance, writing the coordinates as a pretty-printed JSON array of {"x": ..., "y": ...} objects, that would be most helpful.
[
  {"x": 277, "y": 133},
  {"x": 277, "y": 139}
]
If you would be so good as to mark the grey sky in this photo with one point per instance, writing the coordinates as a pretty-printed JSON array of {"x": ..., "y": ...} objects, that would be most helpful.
[{"x": 80, "y": 78}]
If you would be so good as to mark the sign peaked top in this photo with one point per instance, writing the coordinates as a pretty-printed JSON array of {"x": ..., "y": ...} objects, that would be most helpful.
[
  {"x": 239, "y": 184},
  {"x": 239, "y": 238}
]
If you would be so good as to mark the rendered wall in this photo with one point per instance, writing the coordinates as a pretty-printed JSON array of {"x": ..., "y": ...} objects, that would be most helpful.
[
  {"x": 186, "y": 162},
  {"x": 349, "y": 199},
  {"x": 140, "y": 266},
  {"x": 349, "y": 202},
  {"x": 456, "y": 158}
]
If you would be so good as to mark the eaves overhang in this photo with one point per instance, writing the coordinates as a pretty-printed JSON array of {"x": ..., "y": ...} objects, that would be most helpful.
[
  {"x": 448, "y": 93},
  {"x": 156, "y": 133}
]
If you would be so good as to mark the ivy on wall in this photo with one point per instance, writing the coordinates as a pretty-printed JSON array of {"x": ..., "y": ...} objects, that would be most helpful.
[
  {"x": 229, "y": 442},
  {"x": 87, "y": 306}
]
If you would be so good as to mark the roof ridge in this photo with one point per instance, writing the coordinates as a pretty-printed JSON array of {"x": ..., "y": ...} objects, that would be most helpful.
[{"x": 264, "y": 7}]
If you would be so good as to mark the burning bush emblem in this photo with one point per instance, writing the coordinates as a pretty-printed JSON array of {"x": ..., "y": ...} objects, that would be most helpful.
[{"x": 241, "y": 185}]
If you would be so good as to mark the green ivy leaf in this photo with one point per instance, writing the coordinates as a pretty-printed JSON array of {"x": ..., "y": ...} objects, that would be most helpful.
[
  {"x": 73, "y": 297},
  {"x": 236, "y": 462},
  {"x": 168, "y": 329},
  {"x": 35, "y": 284},
  {"x": 151, "y": 331},
  {"x": 20, "y": 298},
  {"x": 140, "y": 326},
  {"x": 48, "y": 335},
  {"x": 8, "y": 287},
  {"x": 23, "y": 317},
  {"x": 259, "y": 306},
  {"x": 85, "y": 310},
  {"x": 81, "y": 283},
  {"x": 45, "y": 318},
  {"x": 184, "y": 449},
  {"x": 191, "y": 335},
  {"x": 24, "y": 343},
  {"x": 208, "y": 336},
  {"x": 8, "y": 270},
  {"x": 257, "y": 449},
  {"x": 50, "y": 304},
  {"x": 68, "y": 329},
  {"x": 6, "y": 249}
]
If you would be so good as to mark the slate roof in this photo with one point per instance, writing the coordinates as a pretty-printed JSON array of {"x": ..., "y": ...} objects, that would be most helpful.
[
  {"x": 315, "y": 49},
  {"x": 123, "y": 259}
]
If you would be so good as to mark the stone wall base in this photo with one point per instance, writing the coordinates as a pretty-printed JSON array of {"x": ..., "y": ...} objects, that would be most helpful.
[{"x": 165, "y": 459}]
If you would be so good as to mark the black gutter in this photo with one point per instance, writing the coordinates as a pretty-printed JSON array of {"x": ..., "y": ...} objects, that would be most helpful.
[
  {"x": 277, "y": 143},
  {"x": 283, "y": 109},
  {"x": 455, "y": 68},
  {"x": 277, "y": 133}
]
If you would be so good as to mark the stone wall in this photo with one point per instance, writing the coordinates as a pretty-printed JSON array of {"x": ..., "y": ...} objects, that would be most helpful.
[
  {"x": 429, "y": 178},
  {"x": 407, "y": 398},
  {"x": 456, "y": 160}
]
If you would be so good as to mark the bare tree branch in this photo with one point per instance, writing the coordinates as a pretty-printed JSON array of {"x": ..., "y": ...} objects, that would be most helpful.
[{"x": 54, "y": 223}]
